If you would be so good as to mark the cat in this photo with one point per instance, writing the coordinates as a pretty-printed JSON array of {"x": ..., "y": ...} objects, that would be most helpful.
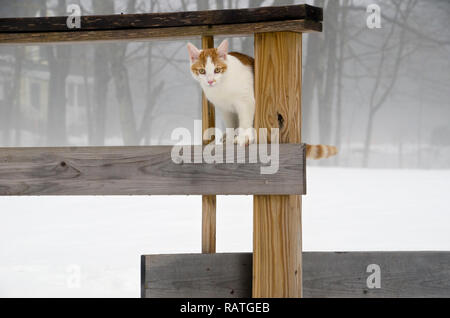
[{"x": 227, "y": 80}]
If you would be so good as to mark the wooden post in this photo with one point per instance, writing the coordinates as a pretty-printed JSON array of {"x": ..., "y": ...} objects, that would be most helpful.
[
  {"x": 277, "y": 234},
  {"x": 208, "y": 201}
]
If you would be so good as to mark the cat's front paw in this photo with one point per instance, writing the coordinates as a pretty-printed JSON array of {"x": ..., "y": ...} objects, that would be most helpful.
[{"x": 244, "y": 138}]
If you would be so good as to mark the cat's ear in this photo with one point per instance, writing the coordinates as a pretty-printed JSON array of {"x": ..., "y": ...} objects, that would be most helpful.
[
  {"x": 194, "y": 53},
  {"x": 222, "y": 50}
]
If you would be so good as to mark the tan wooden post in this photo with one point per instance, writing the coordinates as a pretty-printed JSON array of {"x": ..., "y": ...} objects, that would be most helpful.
[
  {"x": 208, "y": 201},
  {"x": 277, "y": 233}
]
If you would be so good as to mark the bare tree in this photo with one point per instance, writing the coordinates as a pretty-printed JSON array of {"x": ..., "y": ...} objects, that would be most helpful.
[
  {"x": 320, "y": 73},
  {"x": 220, "y": 4},
  {"x": 87, "y": 96},
  {"x": 12, "y": 106},
  {"x": 327, "y": 72},
  {"x": 202, "y": 4},
  {"x": 58, "y": 57},
  {"x": 342, "y": 39},
  {"x": 122, "y": 87},
  {"x": 152, "y": 92},
  {"x": 102, "y": 76},
  {"x": 381, "y": 92}
]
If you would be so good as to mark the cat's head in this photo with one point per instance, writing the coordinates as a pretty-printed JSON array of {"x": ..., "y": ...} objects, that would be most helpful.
[{"x": 209, "y": 65}]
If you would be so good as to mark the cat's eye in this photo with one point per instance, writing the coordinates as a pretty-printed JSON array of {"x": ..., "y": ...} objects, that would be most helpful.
[
  {"x": 217, "y": 70},
  {"x": 202, "y": 71}
]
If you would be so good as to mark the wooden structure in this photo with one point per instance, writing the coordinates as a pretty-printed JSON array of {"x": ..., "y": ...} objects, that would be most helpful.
[
  {"x": 275, "y": 267},
  {"x": 146, "y": 170},
  {"x": 325, "y": 274},
  {"x": 277, "y": 235},
  {"x": 208, "y": 201},
  {"x": 139, "y": 27}
]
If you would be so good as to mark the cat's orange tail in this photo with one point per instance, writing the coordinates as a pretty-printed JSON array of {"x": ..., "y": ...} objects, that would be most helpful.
[{"x": 320, "y": 151}]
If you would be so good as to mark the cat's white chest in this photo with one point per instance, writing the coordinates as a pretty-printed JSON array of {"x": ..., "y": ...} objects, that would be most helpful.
[{"x": 222, "y": 96}]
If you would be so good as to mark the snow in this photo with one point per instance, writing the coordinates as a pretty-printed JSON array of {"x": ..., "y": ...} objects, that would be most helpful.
[{"x": 91, "y": 246}]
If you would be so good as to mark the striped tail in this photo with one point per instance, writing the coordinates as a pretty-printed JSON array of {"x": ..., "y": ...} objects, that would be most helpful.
[{"x": 320, "y": 151}]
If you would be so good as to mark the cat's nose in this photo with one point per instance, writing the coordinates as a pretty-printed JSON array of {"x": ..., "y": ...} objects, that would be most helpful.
[{"x": 210, "y": 82}]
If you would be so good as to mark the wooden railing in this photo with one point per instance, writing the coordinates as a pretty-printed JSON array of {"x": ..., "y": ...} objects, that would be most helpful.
[
  {"x": 275, "y": 267},
  {"x": 145, "y": 26},
  {"x": 148, "y": 170}
]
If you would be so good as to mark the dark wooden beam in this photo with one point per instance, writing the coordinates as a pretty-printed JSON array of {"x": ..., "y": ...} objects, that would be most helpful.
[
  {"x": 145, "y": 170},
  {"x": 164, "y": 20},
  {"x": 325, "y": 274},
  {"x": 171, "y": 33}
]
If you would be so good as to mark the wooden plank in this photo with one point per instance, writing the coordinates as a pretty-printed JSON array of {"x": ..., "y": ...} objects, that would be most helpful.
[
  {"x": 159, "y": 33},
  {"x": 208, "y": 113},
  {"x": 402, "y": 274},
  {"x": 145, "y": 170},
  {"x": 277, "y": 232},
  {"x": 188, "y": 275},
  {"x": 164, "y": 19},
  {"x": 325, "y": 274},
  {"x": 208, "y": 201},
  {"x": 209, "y": 223}
]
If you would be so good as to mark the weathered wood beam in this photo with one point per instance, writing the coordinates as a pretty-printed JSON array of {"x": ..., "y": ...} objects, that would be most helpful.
[
  {"x": 163, "y": 19},
  {"x": 325, "y": 274},
  {"x": 277, "y": 229},
  {"x": 188, "y": 275},
  {"x": 208, "y": 201},
  {"x": 146, "y": 170},
  {"x": 171, "y": 33}
]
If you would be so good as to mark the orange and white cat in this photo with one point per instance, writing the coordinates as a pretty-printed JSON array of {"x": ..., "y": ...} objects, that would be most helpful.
[{"x": 227, "y": 81}]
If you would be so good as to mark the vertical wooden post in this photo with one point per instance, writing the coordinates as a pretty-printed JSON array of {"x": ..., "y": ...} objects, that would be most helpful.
[
  {"x": 208, "y": 201},
  {"x": 277, "y": 233}
]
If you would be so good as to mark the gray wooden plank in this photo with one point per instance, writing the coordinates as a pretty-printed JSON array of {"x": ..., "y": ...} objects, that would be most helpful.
[
  {"x": 325, "y": 274},
  {"x": 198, "y": 275},
  {"x": 145, "y": 170},
  {"x": 403, "y": 274}
]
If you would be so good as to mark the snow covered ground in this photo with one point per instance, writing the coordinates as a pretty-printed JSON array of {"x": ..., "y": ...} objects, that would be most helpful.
[{"x": 90, "y": 246}]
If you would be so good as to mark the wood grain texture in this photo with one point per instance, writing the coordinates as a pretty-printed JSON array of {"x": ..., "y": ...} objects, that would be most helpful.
[
  {"x": 164, "y": 19},
  {"x": 208, "y": 201},
  {"x": 403, "y": 274},
  {"x": 277, "y": 229},
  {"x": 325, "y": 274},
  {"x": 144, "y": 170},
  {"x": 208, "y": 112},
  {"x": 171, "y": 33},
  {"x": 209, "y": 223},
  {"x": 278, "y": 84},
  {"x": 188, "y": 275}
]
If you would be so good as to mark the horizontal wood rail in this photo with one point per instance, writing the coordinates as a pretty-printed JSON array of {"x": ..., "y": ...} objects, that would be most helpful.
[
  {"x": 144, "y": 26},
  {"x": 172, "y": 33},
  {"x": 147, "y": 170},
  {"x": 325, "y": 274},
  {"x": 164, "y": 19}
]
